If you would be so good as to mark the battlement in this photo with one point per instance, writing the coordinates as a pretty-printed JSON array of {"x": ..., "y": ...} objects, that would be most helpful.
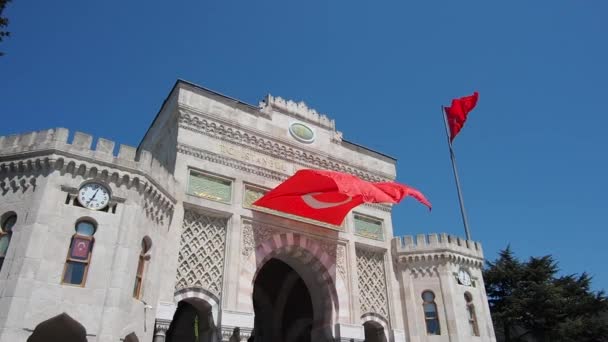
[
  {"x": 298, "y": 109},
  {"x": 431, "y": 243},
  {"x": 80, "y": 146}
]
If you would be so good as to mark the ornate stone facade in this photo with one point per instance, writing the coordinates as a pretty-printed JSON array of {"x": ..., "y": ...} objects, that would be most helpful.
[
  {"x": 201, "y": 254},
  {"x": 371, "y": 279},
  {"x": 182, "y": 260}
]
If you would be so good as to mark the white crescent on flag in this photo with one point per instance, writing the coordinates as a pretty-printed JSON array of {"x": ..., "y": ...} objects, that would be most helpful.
[
  {"x": 81, "y": 246},
  {"x": 316, "y": 204}
]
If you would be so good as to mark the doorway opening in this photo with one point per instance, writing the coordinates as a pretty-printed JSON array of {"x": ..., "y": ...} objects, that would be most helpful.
[
  {"x": 374, "y": 332},
  {"x": 282, "y": 304},
  {"x": 191, "y": 322}
]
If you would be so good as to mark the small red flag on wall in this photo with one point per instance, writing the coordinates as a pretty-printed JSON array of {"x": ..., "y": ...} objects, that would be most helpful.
[
  {"x": 457, "y": 113},
  {"x": 80, "y": 248}
]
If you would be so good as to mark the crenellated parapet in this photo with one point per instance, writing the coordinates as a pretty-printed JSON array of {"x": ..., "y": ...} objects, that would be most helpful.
[
  {"x": 297, "y": 109},
  {"x": 424, "y": 248},
  {"x": 50, "y": 149}
]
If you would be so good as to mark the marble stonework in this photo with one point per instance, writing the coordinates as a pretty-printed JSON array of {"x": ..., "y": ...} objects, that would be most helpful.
[{"x": 208, "y": 242}]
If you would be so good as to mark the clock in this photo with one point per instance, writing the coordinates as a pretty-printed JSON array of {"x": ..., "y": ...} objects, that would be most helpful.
[
  {"x": 93, "y": 196},
  {"x": 464, "y": 278}
]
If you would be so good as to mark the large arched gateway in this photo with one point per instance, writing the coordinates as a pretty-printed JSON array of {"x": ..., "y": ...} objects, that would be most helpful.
[
  {"x": 282, "y": 304},
  {"x": 293, "y": 294}
]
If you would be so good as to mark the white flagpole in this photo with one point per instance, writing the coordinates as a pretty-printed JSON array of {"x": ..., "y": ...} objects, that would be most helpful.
[{"x": 453, "y": 158}]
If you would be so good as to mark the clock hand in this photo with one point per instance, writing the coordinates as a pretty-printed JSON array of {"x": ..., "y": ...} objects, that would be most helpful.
[{"x": 92, "y": 197}]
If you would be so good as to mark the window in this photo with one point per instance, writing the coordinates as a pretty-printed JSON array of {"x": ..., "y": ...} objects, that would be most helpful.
[
  {"x": 6, "y": 231},
  {"x": 431, "y": 316},
  {"x": 146, "y": 243},
  {"x": 79, "y": 254},
  {"x": 471, "y": 314},
  {"x": 209, "y": 187}
]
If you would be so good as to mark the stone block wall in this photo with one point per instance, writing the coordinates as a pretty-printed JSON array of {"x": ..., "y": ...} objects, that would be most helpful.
[
  {"x": 40, "y": 173},
  {"x": 432, "y": 263}
]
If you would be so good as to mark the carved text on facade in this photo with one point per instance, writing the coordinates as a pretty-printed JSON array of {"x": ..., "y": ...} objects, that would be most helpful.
[
  {"x": 271, "y": 148},
  {"x": 255, "y": 158}
]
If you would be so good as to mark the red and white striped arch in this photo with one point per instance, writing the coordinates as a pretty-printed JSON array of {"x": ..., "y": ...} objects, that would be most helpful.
[{"x": 298, "y": 249}]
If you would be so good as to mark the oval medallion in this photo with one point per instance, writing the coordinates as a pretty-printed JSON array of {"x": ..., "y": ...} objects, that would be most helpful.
[{"x": 302, "y": 132}]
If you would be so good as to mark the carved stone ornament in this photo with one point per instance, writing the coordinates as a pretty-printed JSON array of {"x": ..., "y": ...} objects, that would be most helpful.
[
  {"x": 161, "y": 326},
  {"x": 291, "y": 153},
  {"x": 341, "y": 260},
  {"x": 201, "y": 254},
  {"x": 251, "y": 195},
  {"x": 297, "y": 109},
  {"x": 254, "y": 233},
  {"x": 371, "y": 281}
]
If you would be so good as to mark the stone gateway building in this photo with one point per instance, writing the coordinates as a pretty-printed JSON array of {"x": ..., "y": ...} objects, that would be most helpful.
[{"x": 161, "y": 242}]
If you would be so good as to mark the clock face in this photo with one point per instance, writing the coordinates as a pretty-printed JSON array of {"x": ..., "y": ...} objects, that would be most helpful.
[
  {"x": 464, "y": 278},
  {"x": 94, "y": 196}
]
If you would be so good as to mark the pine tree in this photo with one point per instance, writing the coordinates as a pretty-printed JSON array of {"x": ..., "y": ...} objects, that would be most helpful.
[
  {"x": 3, "y": 22},
  {"x": 529, "y": 302}
]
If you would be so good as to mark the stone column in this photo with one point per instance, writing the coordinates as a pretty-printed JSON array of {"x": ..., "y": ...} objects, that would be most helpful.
[{"x": 160, "y": 330}]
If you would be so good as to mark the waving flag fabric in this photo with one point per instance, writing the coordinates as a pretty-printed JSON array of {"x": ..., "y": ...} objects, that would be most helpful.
[
  {"x": 457, "y": 113},
  {"x": 328, "y": 196}
]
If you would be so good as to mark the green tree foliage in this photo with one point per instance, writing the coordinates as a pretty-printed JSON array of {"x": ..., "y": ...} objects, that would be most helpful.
[
  {"x": 3, "y": 22},
  {"x": 529, "y": 302}
]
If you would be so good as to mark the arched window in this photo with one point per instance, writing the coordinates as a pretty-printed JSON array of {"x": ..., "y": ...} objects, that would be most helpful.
[
  {"x": 471, "y": 314},
  {"x": 146, "y": 244},
  {"x": 6, "y": 231},
  {"x": 79, "y": 254},
  {"x": 431, "y": 315}
]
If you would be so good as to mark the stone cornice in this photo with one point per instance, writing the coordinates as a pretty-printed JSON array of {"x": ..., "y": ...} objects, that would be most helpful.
[
  {"x": 423, "y": 260},
  {"x": 18, "y": 151},
  {"x": 157, "y": 202},
  {"x": 230, "y": 162},
  {"x": 209, "y": 125}
]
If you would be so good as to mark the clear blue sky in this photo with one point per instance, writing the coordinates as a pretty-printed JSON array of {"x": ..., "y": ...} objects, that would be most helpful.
[{"x": 532, "y": 156}]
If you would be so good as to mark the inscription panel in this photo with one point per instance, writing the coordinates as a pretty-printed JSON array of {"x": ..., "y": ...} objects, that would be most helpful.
[
  {"x": 256, "y": 158},
  {"x": 251, "y": 195},
  {"x": 369, "y": 227},
  {"x": 209, "y": 187}
]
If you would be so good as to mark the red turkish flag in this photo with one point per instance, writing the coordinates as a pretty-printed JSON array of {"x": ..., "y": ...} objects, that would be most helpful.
[
  {"x": 457, "y": 113},
  {"x": 328, "y": 196},
  {"x": 80, "y": 248}
]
